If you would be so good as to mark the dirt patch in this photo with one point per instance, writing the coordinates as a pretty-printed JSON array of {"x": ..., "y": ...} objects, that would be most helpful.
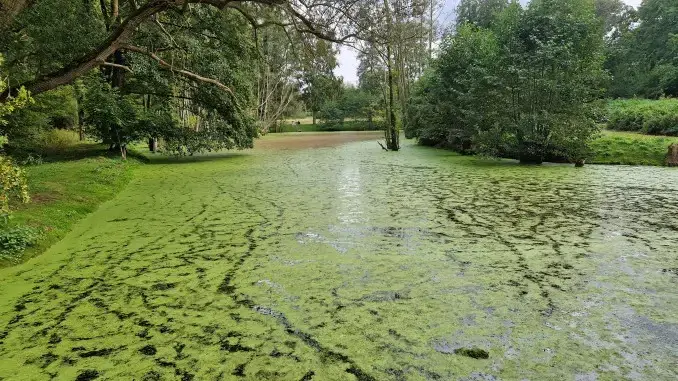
[
  {"x": 44, "y": 198},
  {"x": 300, "y": 140}
]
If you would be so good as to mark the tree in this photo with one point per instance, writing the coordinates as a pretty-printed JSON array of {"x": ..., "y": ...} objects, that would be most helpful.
[
  {"x": 642, "y": 59},
  {"x": 195, "y": 58},
  {"x": 525, "y": 89},
  {"x": 319, "y": 84},
  {"x": 397, "y": 42},
  {"x": 480, "y": 13}
]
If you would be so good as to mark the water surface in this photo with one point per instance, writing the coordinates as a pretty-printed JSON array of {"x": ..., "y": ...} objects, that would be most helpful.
[{"x": 348, "y": 262}]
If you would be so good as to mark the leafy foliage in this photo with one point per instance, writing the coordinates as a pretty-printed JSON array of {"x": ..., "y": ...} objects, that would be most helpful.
[
  {"x": 12, "y": 178},
  {"x": 644, "y": 59},
  {"x": 526, "y": 88},
  {"x": 14, "y": 240},
  {"x": 654, "y": 117}
]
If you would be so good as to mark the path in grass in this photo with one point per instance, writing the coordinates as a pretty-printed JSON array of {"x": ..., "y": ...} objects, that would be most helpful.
[{"x": 346, "y": 262}]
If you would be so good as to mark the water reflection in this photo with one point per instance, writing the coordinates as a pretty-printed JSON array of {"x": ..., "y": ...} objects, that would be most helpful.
[{"x": 349, "y": 195}]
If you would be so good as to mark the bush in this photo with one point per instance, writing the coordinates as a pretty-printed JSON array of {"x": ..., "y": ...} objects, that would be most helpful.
[
  {"x": 13, "y": 186},
  {"x": 14, "y": 240},
  {"x": 653, "y": 117},
  {"x": 354, "y": 125},
  {"x": 58, "y": 140}
]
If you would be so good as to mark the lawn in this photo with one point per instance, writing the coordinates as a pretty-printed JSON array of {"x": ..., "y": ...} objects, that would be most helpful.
[
  {"x": 629, "y": 148},
  {"x": 64, "y": 191}
]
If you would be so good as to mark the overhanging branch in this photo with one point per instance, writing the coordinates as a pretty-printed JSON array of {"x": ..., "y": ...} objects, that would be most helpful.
[{"x": 167, "y": 66}]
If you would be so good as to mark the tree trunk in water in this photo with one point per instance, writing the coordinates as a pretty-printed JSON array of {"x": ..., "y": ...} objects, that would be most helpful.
[{"x": 391, "y": 130}]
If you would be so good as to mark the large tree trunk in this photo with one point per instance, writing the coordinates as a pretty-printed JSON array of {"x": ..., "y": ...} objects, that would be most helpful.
[
  {"x": 10, "y": 9},
  {"x": 392, "y": 137},
  {"x": 391, "y": 129}
]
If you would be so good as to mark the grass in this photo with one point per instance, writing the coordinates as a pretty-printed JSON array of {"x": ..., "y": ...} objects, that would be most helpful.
[
  {"x": 628, "y": 148},
  {"x": 64, "y": 191}
]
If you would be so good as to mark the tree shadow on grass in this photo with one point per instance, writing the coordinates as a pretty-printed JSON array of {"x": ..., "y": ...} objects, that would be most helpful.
[
  {"x": 159, "y": 158},
  {"x": 71, "y": 153}
]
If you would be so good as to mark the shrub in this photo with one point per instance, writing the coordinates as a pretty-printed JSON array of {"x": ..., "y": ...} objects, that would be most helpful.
[
  {"x": 58, "y": 140},
  {"x": 654, "y": 117},
  {"x": 13, "y": 186},
  {"x": 14, "y": 240}
]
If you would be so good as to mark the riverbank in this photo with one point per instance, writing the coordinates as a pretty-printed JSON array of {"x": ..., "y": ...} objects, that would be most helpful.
[
  {"x": 63, "y": 192},
  {"x": 629, "y": 148}
]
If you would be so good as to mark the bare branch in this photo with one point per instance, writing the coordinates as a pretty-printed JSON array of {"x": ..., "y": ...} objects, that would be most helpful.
[{"x": 111, "y": 64}]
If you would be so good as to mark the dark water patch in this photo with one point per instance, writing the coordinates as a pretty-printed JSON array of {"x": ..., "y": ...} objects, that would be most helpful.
[
  {"x": 87, "y": 375},
  {"x": 309, "y": 340},
  {"x": 69, "y": 361},
  {"x": 308, "y": 376},
  {"x": 166, "y": 364},
  {"x": 54, "y": 339},
  {"x": 47, "y": 359},
  {"x": 178, "y": 349},
  {"x": 95, "y": 353},
  {"x": 239, "y": 370},
  {"x": 152, "y": 376},
  {"x": 359, "y": 374},
  {"x": 163, "y": 286},
  {"x": 474, "y": 352},
  {"x": 184, "y": 375},
  {"x": 144, "y": 334},
  {"x": 148, "y": 350}
]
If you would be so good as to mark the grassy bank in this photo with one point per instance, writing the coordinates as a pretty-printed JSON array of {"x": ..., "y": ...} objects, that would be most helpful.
[
  {"x": 628, "y": 148},
  {"x": 65, "y": 190}
]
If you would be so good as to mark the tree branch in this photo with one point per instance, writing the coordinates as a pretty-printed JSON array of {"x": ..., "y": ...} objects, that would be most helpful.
[
  {"x": 123, "y": 67},
  {"x": 167, "y": 66},
  {"x": 120, "y": 35}
]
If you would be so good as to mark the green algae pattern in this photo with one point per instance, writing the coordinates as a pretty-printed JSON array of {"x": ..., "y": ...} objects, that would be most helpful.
[{"x": 350, "y": 263}]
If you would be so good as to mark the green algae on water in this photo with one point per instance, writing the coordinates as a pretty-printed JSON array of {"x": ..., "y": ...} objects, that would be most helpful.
[{"x": 312, "y": 264}]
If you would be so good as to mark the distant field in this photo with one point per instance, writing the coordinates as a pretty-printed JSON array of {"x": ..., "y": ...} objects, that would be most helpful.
[{"x": 304, "y": 120}]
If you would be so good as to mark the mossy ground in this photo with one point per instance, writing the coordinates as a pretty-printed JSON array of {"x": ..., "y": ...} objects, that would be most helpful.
[{"x": 347, "y": 262}]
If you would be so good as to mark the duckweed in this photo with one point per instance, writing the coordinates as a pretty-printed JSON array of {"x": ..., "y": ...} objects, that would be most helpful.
[{"x": 350, "y": 263}]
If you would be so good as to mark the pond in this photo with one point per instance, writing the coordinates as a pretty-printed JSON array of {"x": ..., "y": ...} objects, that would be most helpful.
[{"x": 335, "y": 260}]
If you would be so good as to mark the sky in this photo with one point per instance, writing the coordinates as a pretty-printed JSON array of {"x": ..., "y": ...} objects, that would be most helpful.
[{"x": 348, "y": 60}]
